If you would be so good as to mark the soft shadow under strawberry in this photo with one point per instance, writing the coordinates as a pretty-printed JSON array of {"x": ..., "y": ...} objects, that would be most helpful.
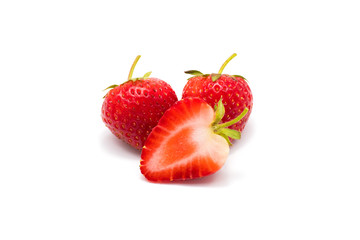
[
  {"x": 118, "y": 147},
  {"x": 246, "y": 135},
  {"x": 222, "y": 178}
]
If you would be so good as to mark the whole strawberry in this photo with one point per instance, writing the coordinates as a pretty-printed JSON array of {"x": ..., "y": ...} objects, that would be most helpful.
[
  {"x": 131, "y": 110},
  {"x": 232, "y": 89}
]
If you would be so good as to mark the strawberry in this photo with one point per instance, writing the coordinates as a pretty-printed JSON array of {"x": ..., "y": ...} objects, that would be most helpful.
[
  {"x": 188, "y": 142},
  {"x": 232, "y": 89},
  {"x": 132, "y": 109}
]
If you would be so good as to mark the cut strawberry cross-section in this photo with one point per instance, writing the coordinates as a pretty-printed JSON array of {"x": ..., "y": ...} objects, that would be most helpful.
[{"x": 188, "y": 142}]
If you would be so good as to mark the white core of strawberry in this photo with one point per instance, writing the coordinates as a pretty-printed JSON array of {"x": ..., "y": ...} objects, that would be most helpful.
[{"x": 211, "y": 144}]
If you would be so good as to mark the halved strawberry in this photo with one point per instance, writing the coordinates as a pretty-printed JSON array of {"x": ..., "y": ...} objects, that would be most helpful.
[{"x": 188, "y": 142}]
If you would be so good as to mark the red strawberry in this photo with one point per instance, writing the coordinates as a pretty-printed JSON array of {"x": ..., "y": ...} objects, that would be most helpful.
[
  {"x": 232, "y": 89},
  {"x": 188, "y": 142},
  {"x": 132, "y": 109}
]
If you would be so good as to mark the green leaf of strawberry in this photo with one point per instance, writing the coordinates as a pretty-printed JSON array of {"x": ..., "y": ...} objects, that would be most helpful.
[
  {"x": 215, "y": 76},
  {"x": 111, "y": 87},
  {"x": 219, "y": 112},
  {"x": 238, "y": 76},
  {"x": 146, "y": 75},
  {"x": 194, "y": 72}
]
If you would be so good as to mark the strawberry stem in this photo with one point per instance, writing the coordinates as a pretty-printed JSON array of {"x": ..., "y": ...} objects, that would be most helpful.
[
  {"x": 133, "y": 66},
  {"x": 231, "y": 122},
  {"x": 146, "y": 75},
  {"x": 226, "y": 62}
]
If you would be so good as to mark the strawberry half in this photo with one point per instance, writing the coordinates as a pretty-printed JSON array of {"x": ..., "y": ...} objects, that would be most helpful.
[
  {"x": 188, "y": 142},
  {"x": 132, "y": 109},
  {"x": 232, "y": 89}
]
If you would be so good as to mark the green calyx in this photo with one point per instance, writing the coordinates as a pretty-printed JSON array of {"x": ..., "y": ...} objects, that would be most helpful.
[
  {"x": 215, "y": 76},
  {"x": 110, "y": 87},
  {"x": 222, "y": 129},
  {"x": 130, "y": 78}
]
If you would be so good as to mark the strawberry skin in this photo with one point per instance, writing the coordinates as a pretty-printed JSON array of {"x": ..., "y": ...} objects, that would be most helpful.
[
  {"x": 187, "y": 143},
  {"x": 132, "y": 109},
  {"x": 234, "y": 92}
]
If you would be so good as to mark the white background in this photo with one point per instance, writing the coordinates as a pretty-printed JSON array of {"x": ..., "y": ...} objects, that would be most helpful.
[{"x": 293, "y": 175}]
